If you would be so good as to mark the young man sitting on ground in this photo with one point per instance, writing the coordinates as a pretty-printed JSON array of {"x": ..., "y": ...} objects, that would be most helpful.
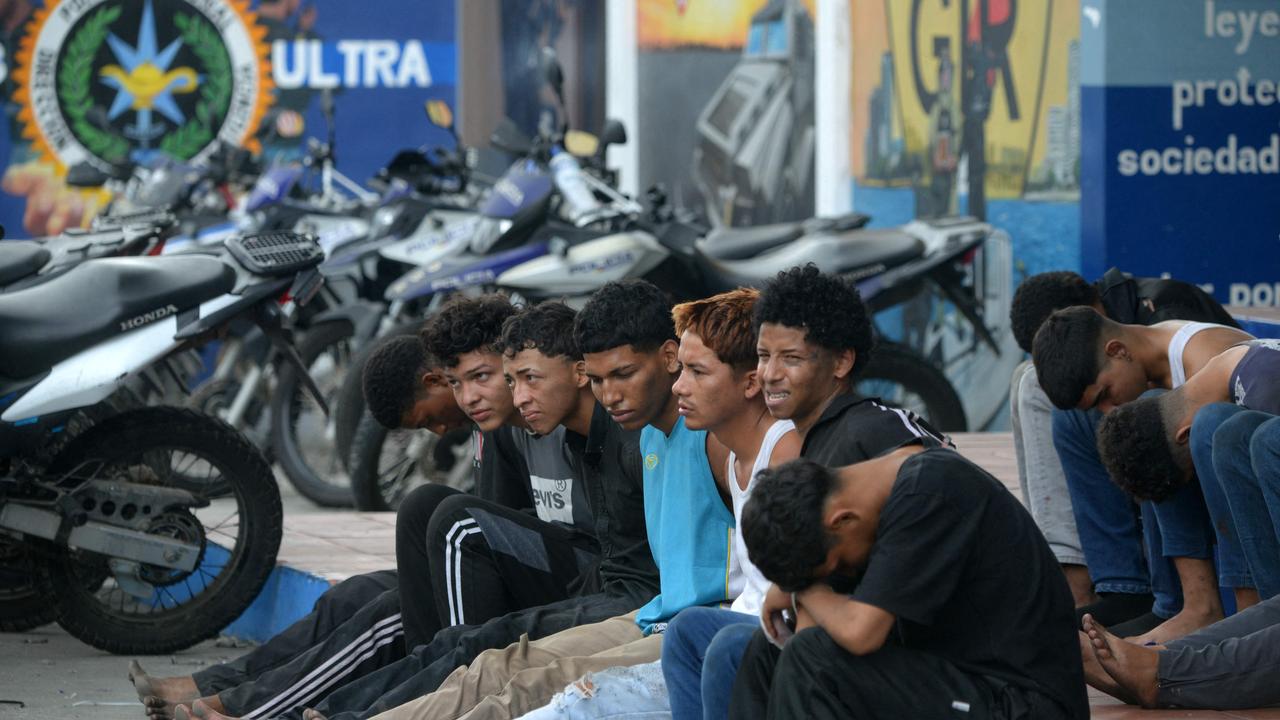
[
  {"x": 934, "y": 627},
  {"x": 357, "y": 617},
  {"x": 813, "y": 339},
  {"x": 1078, "y": 509},
  {"x": 1085, "y": 361},
  {"x": 1156, "y": 445}
]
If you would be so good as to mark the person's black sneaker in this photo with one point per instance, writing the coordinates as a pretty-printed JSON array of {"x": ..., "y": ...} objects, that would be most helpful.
[
  {"x": 1140, "y": 625},
  {"x": 1117, "y": 608}
]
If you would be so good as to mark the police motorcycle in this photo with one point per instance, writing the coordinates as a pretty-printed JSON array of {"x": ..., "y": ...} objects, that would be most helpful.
[
  {"x": 139, "y": 529},
  {"x": 508, "y": 225},
  {"x": 518, "y": 220}
]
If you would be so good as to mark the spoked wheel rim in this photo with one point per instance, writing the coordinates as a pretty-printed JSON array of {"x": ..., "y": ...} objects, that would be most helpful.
[{"x": 216, "y": 528}]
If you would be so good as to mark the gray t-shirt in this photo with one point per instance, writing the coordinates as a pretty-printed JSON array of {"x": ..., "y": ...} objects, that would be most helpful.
[
  {"x": 557, "y": 496},
  {"x": 1255, "y": 382}
]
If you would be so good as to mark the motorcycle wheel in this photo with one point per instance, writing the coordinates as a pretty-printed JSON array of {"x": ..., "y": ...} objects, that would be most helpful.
[
  {"x": 387, "y": 464},
  {"x": 22, "y": 606},
  {"x": 349, "y": 406},
  {"x": 214, "y": 398},
  {"x": 901, "y": 378},
  {"x": 301, "y": 435},
  {"x": 239, "y": 530}
]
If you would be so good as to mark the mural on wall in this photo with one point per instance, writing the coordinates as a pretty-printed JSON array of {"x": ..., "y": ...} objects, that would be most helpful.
[
  {"x": 970, "y": 107},
  {"x": 112, "y": 82},
  {"x": 726, "y": 92}
]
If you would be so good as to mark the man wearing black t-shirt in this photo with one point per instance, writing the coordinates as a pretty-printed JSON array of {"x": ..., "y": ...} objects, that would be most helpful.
[{"x": 960, "y": 611}]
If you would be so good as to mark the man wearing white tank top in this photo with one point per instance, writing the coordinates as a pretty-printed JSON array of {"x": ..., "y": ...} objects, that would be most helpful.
[{"x": 1086, "y": 361}]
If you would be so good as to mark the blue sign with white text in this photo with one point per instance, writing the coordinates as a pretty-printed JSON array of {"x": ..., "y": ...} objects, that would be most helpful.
[{"x": 1181, "y": 150}]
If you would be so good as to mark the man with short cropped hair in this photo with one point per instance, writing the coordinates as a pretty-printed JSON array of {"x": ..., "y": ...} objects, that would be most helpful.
[
  {"x": 934, "y": 627},
  {"x": 1092, "y": 528},
  {"x": 1086, "y": 361},
  {"x": 1220, "y": 423}
]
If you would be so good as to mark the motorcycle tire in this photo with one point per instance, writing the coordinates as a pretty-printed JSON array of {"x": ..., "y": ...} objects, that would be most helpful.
[
  {"x": 143, "y": 446},
  {"x": 348, "y": 407},
  {"x": 387, "y": 464},
  {"x": 301, "y": 436},
  {"x": 214, "y": 397},
  {"x": 22, "y": 606},
  {"x": 901, "y": 377}
]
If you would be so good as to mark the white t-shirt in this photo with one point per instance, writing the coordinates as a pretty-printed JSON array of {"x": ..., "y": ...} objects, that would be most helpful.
[{"x": 756, "y": 585}]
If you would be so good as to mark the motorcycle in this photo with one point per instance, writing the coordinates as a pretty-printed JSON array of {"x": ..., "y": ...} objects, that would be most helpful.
[{"x": 139, "y": 529}]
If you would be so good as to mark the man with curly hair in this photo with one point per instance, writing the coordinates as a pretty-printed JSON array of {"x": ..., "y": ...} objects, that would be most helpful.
[
  {"x": 1221, "y": 426},
  {"x": 1092, "y": 528},
  {"x": 934, "y": 627}
]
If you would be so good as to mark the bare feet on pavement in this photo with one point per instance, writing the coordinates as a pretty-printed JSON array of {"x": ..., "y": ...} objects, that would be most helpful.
[
  {"x": 1180, "y": 625},
  {"x": 1132, "y": 667},
  {"x": 1097, "y": 676},
  {"x": 160, "y": 694}
]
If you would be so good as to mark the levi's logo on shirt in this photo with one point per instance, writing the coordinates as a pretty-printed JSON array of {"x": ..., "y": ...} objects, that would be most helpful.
[{"x": 553, "y": 499}]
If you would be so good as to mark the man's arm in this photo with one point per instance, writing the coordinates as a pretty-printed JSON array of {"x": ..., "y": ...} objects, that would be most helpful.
[{"x": 857, "y": 627}]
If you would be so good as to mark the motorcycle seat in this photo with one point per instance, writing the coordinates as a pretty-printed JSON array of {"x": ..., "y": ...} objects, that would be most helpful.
[
  {"x": 45, "y": 324},
  {"x": 20, "y": 258},
  {"x": 742, "y": 243},
  {"x": 860, "y": 253}
]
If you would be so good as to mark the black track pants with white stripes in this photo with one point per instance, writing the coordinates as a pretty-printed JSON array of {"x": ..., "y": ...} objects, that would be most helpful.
[
  {"x": 487, "y": 560},
  {"x": 334, "y": 607},
  {"x": 370, "y": 638}
]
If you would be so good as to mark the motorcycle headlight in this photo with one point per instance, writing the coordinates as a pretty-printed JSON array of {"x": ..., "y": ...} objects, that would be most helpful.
[{"x": 383, "y": 218}]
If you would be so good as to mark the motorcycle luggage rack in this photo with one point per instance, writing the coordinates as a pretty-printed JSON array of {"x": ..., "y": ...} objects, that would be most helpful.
[
  {"x": 276, "y": 253},
  {"x": 159, "y": 219}
]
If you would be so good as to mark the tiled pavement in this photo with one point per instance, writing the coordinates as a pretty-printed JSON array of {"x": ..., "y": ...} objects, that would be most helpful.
[{"x": 337, "y": 545}]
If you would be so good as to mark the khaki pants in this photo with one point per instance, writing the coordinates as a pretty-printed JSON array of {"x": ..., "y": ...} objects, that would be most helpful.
[{"x": 524, "y": 676}]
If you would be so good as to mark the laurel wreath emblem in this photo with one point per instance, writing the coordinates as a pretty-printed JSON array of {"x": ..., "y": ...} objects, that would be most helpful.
[
  {"x": 76, "y": 77},
  {"x": 215, "y": 90},
  {"x": 74, "y": 82}
]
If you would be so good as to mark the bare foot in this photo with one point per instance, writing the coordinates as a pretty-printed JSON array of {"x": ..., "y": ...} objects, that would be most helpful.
[
  {"x": 312, "y": 714},
  {"x": 160, "y": 694},
  {"x": 1081, "y": 584},
  {"x": 1180, "y": 625},
  {"x": 1132, "y": 667},
  {"x": 1096, "y": 675}
]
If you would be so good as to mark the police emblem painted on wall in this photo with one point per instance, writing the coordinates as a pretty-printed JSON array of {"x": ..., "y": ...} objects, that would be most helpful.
[{"x": 116, "y": 81}]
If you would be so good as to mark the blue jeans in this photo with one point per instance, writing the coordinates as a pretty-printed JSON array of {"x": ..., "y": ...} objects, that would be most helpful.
[
  {"x": 630, "y": 692},
  {"x": 1110, "y": 534},
  {"x": 701, "y": 649},
  {"x": 1233, "y": 568},
  {"x": 1246, "y": 447}
]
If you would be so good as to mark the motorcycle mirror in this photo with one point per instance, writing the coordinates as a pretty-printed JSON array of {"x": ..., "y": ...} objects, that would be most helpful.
[
  {"x": 509, "y": 138},
  {"x": 613, "y": 133},
  {"x": 84, "y": 175},
  {"x": 439, "y": 113},
  {"x": 582, "y": 144}
]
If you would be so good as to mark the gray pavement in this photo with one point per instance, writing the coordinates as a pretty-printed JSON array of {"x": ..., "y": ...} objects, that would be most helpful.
[{"x": 56, "y": 677}]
